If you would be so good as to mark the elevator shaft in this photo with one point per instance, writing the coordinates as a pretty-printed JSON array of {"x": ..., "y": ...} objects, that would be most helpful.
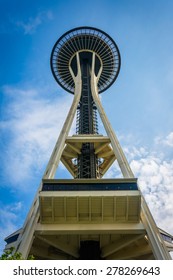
[{"x": 87, "y": 162}]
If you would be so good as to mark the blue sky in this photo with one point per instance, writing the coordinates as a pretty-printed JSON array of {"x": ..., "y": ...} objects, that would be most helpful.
[{"x": 33, "y": 106}]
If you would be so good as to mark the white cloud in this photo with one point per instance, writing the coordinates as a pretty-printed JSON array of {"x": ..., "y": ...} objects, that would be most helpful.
[
  {"x": 32, "y": 124},
  {"x": 32, "y": 23},
  {"x": 156, "y": 182},
  {"x": 166, "y": 141},
  {"x": 169, "y": 140},
  {"x": 134, "y": 152},
  {"x": 154, "y": 171}
]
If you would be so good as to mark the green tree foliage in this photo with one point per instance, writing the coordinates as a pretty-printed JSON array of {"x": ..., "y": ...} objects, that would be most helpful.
[{"x": 11, "y": 255}]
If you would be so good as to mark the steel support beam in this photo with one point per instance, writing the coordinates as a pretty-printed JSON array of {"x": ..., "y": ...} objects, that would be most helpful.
[
  {"x": 122, "y": 161},
  {"x": 118, "y": 228},
  {"x": 24, "y": 242},
  {"x": 120, "y": 244},
  {"x": 67, "y": 248},
  {"x": 159, "y": 249}
]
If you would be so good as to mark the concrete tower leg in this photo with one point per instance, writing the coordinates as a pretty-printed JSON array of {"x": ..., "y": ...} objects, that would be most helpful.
[
  {"x": 26, "y": 237},
  {"x": 158, "y": 247}
]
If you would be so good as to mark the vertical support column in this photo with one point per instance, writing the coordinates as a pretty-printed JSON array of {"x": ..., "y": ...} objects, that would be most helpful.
[
  {"x": 156, "y": 241},
  {"x": 57, "y": 152},
  {"x": 157, "y": 244},
  {"x": 87, "y": 160},
  {"x": 25, "y": 239},
  {"x": 122, "y": 161}
]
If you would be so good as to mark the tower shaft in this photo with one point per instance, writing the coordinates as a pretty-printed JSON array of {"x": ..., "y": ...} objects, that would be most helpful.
[{"x": 87, "y": 162}]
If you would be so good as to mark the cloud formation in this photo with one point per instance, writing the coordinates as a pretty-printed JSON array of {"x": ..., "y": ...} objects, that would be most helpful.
[
  {"x": 156, "y": 182},
  {"x": 167, "y": 141},
  {"x": 29, "y": 26},
  {"x": 32, "y": 124}
]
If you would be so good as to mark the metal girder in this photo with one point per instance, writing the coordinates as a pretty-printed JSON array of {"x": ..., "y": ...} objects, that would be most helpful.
[
  {"x": 69, "y": 165},
  {"x": 87, "y": 138},
  {"x": 118, "y": 228},
  {"x": 122, "y": 161},
  {"x": 106, "y": 154},
  {"x": 69, "y": 154},
  {"x": 106, "y": 164},
  {"x": 74, "y": 148},
  {"x": 69, "y": 249},
  {"x": 102, "y": 149},
  {"x": 45, "y": 253},
  {"x": 131, "y": 253},
  {"x": 124, "y": 241}
]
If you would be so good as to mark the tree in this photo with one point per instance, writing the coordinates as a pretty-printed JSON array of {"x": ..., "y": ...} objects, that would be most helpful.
[{"x": 11, "y": 255}]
